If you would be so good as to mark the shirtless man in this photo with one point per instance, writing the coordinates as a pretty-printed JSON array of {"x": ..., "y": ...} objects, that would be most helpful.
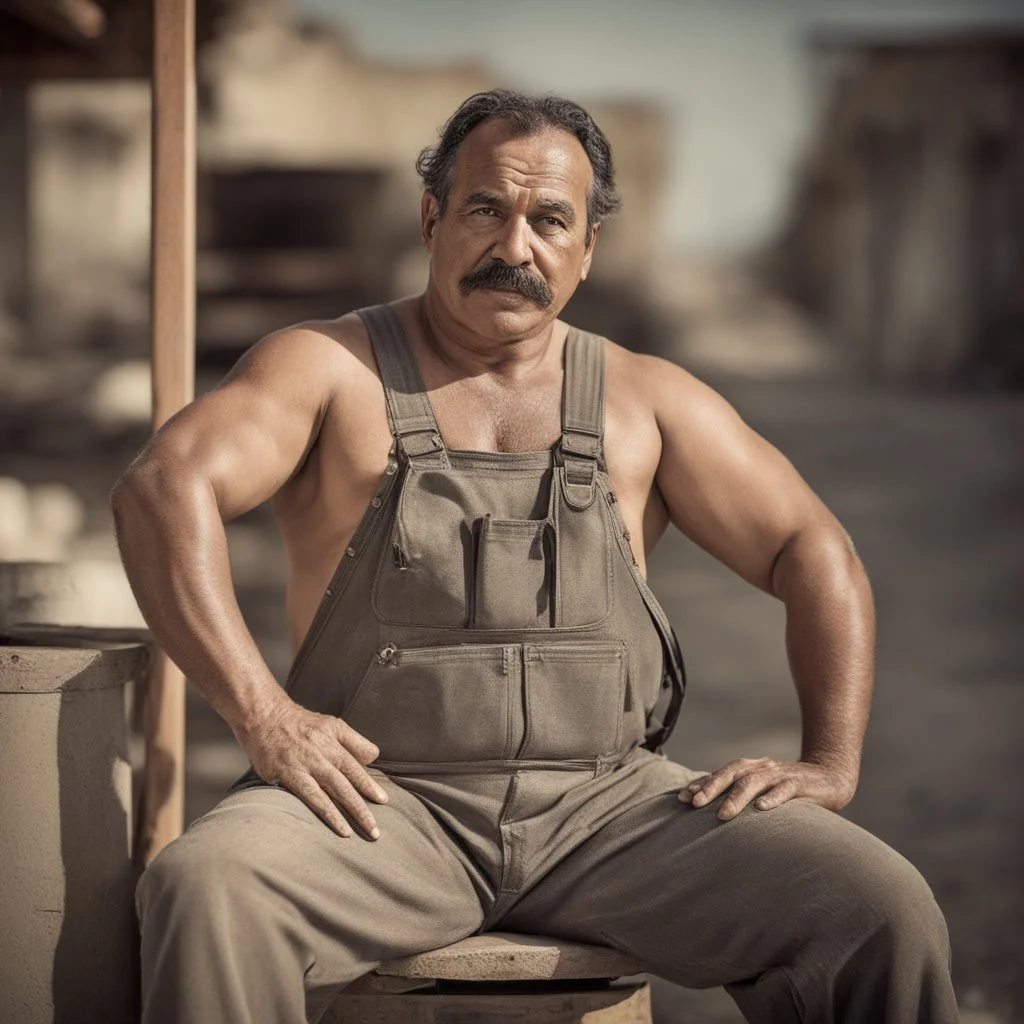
[{"x": 332, "y": 858}]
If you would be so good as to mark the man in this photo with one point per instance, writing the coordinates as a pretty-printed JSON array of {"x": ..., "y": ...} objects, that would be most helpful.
[{"x": 468, "y": 490}]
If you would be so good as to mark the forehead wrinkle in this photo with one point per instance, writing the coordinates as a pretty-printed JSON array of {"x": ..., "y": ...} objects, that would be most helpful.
[
  {"x": 550, "y": 158},
  {"x": 509, "y": 177},
  {"x": 527, "y": 173}
]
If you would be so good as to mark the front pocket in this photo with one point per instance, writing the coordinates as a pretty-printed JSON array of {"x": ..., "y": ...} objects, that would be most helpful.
[
  {"x": 513, "y": 574},
  {"x": 574, "y": 699},
  {"x": 438, "y": 703}
]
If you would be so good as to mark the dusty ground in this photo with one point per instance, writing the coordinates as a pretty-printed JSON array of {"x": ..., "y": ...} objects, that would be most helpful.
[{"x": 932, "y": 490}]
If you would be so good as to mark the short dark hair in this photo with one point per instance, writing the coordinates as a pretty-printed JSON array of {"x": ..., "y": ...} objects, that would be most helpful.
[{"x": 526, "y": 115}]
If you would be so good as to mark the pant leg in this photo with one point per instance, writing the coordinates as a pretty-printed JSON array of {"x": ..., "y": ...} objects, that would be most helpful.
[
  {"x": 802, "y": 915},
  {"x": 261, "y": 913}
]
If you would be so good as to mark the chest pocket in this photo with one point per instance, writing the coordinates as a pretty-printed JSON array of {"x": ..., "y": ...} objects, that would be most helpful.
[{"x": 494, "y": 549}]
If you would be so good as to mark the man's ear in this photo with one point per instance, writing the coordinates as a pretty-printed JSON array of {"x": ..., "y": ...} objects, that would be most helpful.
[
  {"x": 429, "y": 214},
  {"x": 589, "y": 254}
]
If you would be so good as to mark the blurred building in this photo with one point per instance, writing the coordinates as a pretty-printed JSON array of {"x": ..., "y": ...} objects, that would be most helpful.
[
  {"x": 906, "y": 237},
  {"x": 308, "y": 197},
  {"x": 74, "y": 164}
]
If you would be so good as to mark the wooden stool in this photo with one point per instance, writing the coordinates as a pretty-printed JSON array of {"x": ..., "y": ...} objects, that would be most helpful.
[{"x": 498, "y": 978}]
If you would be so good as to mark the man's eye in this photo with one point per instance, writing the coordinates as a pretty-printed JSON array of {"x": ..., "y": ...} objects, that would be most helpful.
[
  {"x": 487, "y": 211},
  {"x": 553, "y": 222}
]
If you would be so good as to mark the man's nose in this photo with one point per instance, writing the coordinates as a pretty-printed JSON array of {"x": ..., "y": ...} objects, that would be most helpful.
[{"x": 514, "y": 244}]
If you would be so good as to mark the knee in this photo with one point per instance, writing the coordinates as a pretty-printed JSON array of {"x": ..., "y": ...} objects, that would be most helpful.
[
  {"x": 905, "y": 905},
  {"x": 844, "y": 881},
  {"x": 885, "y": 899},
  {"x": 189, "y": 880}
]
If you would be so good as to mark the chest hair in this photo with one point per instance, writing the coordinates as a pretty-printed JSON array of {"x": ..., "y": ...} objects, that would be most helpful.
[{"x": 504, "y": 418}]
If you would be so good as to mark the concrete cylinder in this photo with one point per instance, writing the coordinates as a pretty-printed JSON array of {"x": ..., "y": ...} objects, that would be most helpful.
[
  {"x": 66, "y": 594},
  {"x": 67, "y": 925}
]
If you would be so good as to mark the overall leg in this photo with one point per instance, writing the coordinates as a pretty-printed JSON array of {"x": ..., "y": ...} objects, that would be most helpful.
[
  {"x": 802, "y": 915},
  {"x": 261, "y": 913}
]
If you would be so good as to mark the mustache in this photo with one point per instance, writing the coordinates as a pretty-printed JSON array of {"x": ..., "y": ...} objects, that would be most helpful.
[{"x": 501, "y": 275}]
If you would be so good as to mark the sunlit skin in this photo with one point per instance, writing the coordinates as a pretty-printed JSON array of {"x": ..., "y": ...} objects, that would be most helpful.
[{"x": 301, "y": 420}]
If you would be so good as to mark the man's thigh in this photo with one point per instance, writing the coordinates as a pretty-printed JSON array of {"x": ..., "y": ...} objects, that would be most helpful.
[
  {"x": 261, "y": 871},
  {"x": 704, "y": 902}
]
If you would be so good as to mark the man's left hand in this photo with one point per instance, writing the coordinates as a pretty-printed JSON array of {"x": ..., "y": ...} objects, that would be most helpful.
[{"x": 768, "y": 783}]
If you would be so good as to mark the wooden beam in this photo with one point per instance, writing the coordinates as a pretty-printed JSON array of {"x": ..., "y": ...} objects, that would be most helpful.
[
  {"x": 161, "y": 816},
  {"x": 74, "y": 21}
]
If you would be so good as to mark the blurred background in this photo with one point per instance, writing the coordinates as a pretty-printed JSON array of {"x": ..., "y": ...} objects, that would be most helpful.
[{"x": 823, "y": 217}]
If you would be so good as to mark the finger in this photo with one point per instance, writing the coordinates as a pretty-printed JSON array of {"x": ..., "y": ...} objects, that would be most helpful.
[
  {"x": 363, "y": 781},
  {"x": 362, "y": 749},
  {"x": 776, "y": 795},
  {"x": 345, "y": 794},
  {"x": 711, "y": 787},
  {"x": 308, "y": 790},
  {"x": 743, "y": 791},
  {"x": 715, "y": 784}
]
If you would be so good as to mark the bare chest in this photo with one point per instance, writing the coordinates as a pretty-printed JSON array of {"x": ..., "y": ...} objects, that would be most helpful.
[{"x": 473, "y": 416}]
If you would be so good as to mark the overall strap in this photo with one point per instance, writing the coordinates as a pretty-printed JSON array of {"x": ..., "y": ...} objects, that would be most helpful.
[
  {"x": 582, "y": 444},
  {"x": 409, "y": 410}
]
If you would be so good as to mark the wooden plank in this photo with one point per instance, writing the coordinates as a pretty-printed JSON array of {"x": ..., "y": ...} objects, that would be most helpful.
[
  {"x": 618, "y": 1004},
  {"x": 162, "y": 810},
  {"x": 506, "y": 956}
]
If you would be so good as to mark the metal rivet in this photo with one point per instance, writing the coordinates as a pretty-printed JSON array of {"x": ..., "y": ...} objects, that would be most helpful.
[
  {"x": 350, "y": 552},
  {"x": 329, "y": 592},
  {"x": 376, "y": 503},
  {"x": 391, "y": 469}
]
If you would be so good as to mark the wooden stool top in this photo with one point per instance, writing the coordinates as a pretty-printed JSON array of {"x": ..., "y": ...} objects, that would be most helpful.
[{"x": 505, "y": 956}]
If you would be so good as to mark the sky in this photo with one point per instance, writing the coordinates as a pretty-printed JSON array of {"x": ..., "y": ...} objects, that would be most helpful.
[{"x": 732, "y": 75}]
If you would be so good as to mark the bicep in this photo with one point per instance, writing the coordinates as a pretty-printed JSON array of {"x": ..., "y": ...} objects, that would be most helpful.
[
  {"x": 725, "y": 486},
  {"x": 248, "y": 436}
]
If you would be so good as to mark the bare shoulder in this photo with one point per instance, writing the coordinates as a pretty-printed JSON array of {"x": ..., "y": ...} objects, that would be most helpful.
[
  {"x": 724, "y": 485},
  {"x": 309, "y": 357},
  {"x": 675, "y": 398},
  {"x": 298, "y": 377},
  {"x": 254, "y": 432}
]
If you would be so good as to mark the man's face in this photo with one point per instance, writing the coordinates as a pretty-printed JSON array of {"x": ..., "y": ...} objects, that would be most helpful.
[{"x": 511, "y": 247}]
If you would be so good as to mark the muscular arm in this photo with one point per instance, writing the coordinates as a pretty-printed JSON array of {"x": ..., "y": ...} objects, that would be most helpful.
[
  {"x": 740, "y": 499},
  {"x": 221, "y": 456}
]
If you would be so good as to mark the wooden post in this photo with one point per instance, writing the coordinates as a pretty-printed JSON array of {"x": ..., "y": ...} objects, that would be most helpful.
[{"x": 162, "y": 810}]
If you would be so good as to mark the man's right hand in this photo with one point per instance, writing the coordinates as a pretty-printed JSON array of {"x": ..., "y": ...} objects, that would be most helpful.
[{"x": 318, "y": 758}]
